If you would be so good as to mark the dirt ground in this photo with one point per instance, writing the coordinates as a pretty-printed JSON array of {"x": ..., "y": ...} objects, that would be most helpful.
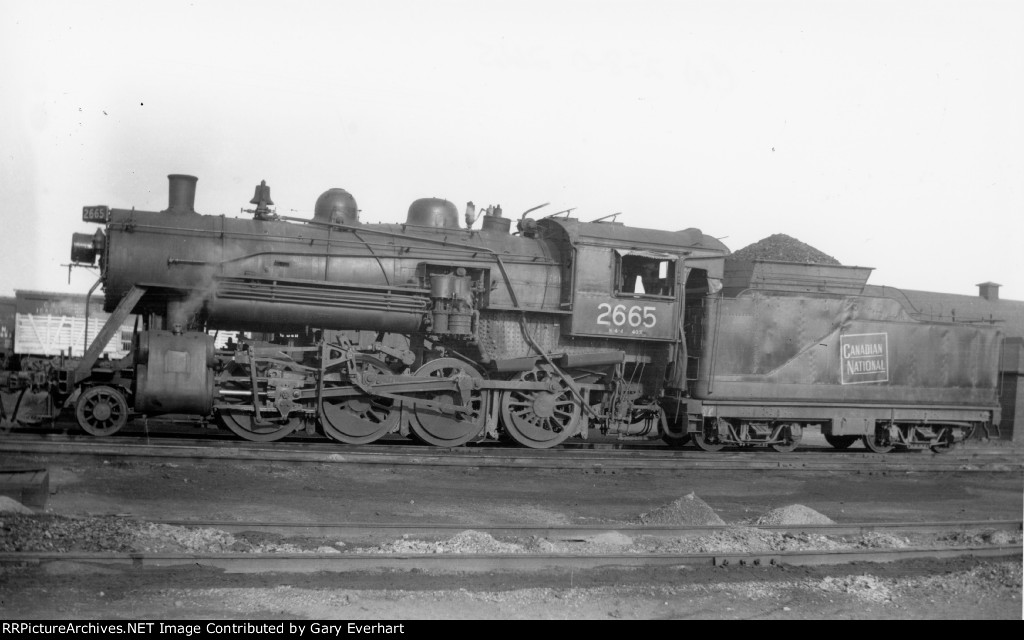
[{"x": 282, "y": 492}]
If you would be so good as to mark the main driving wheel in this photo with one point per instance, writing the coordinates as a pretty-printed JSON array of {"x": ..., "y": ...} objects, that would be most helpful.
[
  {"x": 101, "y": 410},
  {"x": 268, "y": 429},
  {"x": 360, "y": 419},
  {"x": 456, "y": 422},
  {"x": 540, "y": 419}
]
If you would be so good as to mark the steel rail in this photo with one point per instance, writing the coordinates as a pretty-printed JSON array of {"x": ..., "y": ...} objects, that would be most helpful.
[
  {"x": 497, "y": 458},
  {"x": 198, "y": 435},
  {"x": 589, "y": 451},
  {"x": 196, "y": 432},
  {"x": 363, "y": 531},
  {"x": 452, "y": 562}
]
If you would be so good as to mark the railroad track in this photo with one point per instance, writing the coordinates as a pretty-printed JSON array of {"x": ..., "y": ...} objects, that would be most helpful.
[
  {"x": 521, "y": 561},
  {"x": 195, "y": 431},
  {"x": 373, "y": 532},
  {"x": 597, "y": 458}
]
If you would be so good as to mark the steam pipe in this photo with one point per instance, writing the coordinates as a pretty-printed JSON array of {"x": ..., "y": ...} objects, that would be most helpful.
[{"x": 88, "y": 298}]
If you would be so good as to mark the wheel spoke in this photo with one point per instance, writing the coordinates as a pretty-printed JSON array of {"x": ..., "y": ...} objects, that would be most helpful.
[
  {"x": 540, "y": 419},
  {"x": 101, "y": 411}
]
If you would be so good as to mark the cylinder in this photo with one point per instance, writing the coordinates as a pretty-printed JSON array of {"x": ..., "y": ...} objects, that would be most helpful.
[{"x": 177, "y": 376}]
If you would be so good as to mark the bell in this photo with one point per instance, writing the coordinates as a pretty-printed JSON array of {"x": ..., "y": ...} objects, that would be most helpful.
[{"x": 262, "y": 195}]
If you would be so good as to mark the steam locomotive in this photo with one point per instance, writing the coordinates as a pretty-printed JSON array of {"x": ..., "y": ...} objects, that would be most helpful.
[{"x": 564, "y": 328}]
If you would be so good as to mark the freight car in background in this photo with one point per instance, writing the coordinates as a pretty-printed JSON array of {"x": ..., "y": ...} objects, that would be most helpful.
[
  {"x": 41, "y": 332},
  {"x": 44, "y": 331},
  {"x": 553, "y": 331}
]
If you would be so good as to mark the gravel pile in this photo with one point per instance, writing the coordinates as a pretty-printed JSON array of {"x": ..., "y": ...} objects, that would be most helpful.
[
  {"x": 783, "y": 248},
  {"x": 987, "y": 577},
  {"x": 882, "y": 540},
  {"x": 464, "y": 542},
  {"x": 163, "y": 538},
  {"x": 984, "y": 579},
  {"x": 748, "y": 539},
  {"x": 43, "y": 533},
  {"x": 10, "y": 505},
  {"x": 688, "y": 510},
  {"x": 977, "y": 538},
  {"x": 794, "y": 514},
  {"x": 865, "y": 587},
  {"x": 21, "y": 533}
]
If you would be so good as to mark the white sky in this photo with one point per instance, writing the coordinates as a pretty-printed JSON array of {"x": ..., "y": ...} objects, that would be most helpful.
[{"x": 886, "y": 134}]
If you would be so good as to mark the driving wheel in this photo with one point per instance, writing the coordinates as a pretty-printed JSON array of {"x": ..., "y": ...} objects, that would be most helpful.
[
  {"x": 359, "y": 419},
  {"x": 540, "y": 419},
  {"x": 456, "y": 422}
]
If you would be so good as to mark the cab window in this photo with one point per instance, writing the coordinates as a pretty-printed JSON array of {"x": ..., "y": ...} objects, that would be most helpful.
[{"x": 644, "y": 276}]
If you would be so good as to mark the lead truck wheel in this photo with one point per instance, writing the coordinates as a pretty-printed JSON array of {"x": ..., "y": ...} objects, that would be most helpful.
[{"x": 101, "y": 411}]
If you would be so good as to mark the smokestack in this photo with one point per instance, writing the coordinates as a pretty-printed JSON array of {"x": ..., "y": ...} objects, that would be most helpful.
[
  {"x": 181, "y": 193},
  {"x": 989, "y": 291}
]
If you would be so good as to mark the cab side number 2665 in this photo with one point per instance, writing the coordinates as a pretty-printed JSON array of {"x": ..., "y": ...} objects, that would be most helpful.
[{"x": 619, "y": 315}]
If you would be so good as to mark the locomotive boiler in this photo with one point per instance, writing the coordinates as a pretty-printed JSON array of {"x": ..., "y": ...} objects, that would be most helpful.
[{"x": 451, "y": 334}]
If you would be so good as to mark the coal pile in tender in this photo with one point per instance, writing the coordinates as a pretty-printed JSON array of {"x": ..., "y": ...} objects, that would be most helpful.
[{"x": 783, "y": 248}]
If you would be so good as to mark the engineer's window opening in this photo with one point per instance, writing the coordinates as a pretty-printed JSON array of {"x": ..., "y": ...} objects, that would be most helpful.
[{"x": 643, "y": 275}]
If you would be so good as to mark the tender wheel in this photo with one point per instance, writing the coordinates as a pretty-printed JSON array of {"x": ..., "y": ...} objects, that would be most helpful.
[
  {"x": 707, "y": 438},
  {"x": 360, "y": 419},
  {"x": 101, "y": 410},
  {"x": 946, "y": 442},
  {"x": 675, "y": 440},
  {"x": 878, "y": 441},
  {"x": 243, "y": 425},
  {"x": 841, "y": 442},
  {"x": 540, "y": 419},
  {"x": 449, "y": 429},
  {"x": 791, "y": 434}
]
